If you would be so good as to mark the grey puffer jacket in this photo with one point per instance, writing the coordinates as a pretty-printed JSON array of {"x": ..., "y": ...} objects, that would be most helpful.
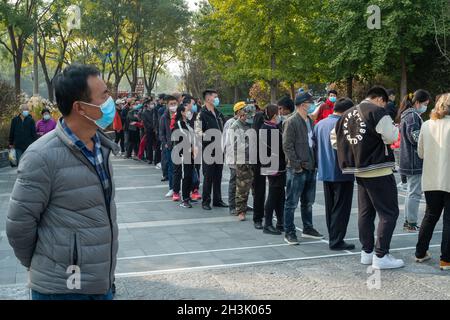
[{"x": 58, "y": 217}]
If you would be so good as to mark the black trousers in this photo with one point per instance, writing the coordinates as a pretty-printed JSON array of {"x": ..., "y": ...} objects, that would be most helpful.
[
  {"x": 188, "y": 170},
  {"x": 158, "y": 150},
  {"x": 149, "y": 146},
  {"x": 120, "y": 138},
  {"x": 338, "y": 207},
  {"x": 177, "y": 176},
  {"x": 133, "y": 143},
  {"x": 377, "y": 195},
  {"x": 212, "y": 182},
  {"x": 275, "y": 200},
  {"x": 436, "y": 202},
  {"x": 196, "y": 185},
  {"x": 259, "y": 195}
]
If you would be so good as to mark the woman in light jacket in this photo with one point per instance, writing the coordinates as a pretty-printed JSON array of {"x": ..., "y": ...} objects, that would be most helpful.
[{"x": 434, "y": 149}]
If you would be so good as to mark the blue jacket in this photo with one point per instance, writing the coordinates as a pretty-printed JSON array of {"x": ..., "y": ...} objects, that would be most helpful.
[
  {"x": 328, "y": 166},
  {"x": 410, "y": 125}
]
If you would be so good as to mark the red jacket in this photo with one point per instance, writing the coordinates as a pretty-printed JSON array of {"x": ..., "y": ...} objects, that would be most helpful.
[{"x": 325, "y": 110}]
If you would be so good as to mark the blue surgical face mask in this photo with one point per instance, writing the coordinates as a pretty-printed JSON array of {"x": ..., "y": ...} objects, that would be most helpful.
[
  {"x": 47, "y": 117},
  {"x": 312, "y": 108},
  {"x": 194, "y": 108},
  {"x": 333, "y": 99},
  {"x": 138, "y": 107},
  {"x": 108, "y": 109},
  {"x": 25, "y": 113},
  {"x": 422, "y": 109},
  {"x": 216, "y": 102},
  {"x": 249, "y": 120}
]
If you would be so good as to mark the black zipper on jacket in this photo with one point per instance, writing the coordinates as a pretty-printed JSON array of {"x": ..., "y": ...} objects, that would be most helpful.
[{"x": 75, "y": 250}]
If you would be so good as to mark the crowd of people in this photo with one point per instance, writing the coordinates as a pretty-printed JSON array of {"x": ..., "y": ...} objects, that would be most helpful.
[
  {"x": 335, "y": 142},
  {"x": 65, "y": 189}
]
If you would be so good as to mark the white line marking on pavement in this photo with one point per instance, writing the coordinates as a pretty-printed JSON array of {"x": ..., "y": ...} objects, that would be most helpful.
[
  {"x": 221, "y": 266},
  {"x": 210, "y": 251},
  {"x": 175, "y": 222}
]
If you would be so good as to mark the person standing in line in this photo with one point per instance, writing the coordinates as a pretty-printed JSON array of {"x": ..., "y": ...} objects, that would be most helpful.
[
  {"x": 230, "y": 160},
  {"x": 210, "y": 118},
  {"x": 259, "y": 180},
  {"x": 411, "y": 109},
  {"x": 362, "y": 136},
  {"x": 244, "y": 167},
  {"x": 187, "y": 159},
  {"x": 434, "y": 149},
  {"x": 298, "y": 147},
  {"x": 165, "y": 134},
  {"x": 276, "y": 176},
  {"x": 118, "y": 127},
  {"x": 326, "y": 109},
  {"x": 338, "y": 188}
]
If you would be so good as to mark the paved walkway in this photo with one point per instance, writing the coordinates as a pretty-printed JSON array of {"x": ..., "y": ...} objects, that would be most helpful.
[{"x": 167, "y": 252}]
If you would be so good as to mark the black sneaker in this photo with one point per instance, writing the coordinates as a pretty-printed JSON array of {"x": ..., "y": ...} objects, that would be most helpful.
[
  {"x": 291, "y": 238},
  {"x": 280, "y": 228},
  {"x": 258, "y": 225},
  {"x": 343, "y": 246},
  {"x": 271, "y": 230},
  {"x": 311, "y": 233},
  {"x": 411, "y": 227},
  {"x": 186, "y": 204}
]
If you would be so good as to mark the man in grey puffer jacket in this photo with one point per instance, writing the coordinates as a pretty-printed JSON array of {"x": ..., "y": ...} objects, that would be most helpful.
[{"x": 62, "y": 216}]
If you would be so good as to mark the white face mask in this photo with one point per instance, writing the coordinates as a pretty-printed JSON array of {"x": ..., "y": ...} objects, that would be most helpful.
[
  {"x": 189, "y": 115},
  {"x": 173, "y": 109}
]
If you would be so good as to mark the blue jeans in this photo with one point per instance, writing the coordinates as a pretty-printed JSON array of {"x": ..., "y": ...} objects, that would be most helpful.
[
  {"x": 168, "y": 156},
  {"x": 19, "y": 154},
  {"x": 413, "y": 198},
  {"x": 299, "y": 187},
  {"x": 71, "y": 296}
]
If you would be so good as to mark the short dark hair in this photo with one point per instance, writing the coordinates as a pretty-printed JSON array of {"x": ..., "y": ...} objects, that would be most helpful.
[
  {"x": 270, "y": 111},
  {"x": 208, "y": 92},
  {"x": 343, "y": 104},
  {"x": 45, "y": 111},
  {"x": 170, "y": 98},
  {"x": 187, "y": 99},
  {"x": 162, "y": 96},
  {"x": 378, "y": 92},
  {"x": 332, "y": 91},
  {"x": 286, "y": 102},
  {"x": 71, "y": 85}
]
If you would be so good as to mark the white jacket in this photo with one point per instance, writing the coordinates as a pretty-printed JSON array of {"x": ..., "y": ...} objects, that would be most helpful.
[{"x": 434, "y": 149}]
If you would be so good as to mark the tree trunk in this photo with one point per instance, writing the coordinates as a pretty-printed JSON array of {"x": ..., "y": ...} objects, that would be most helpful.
[
  {"x": 236, "y": 93},
  {"x": 51, "y": 95},
  {"x": 350, "y": 87},
  {"x": 17, "y": 72},
  {"x": 404, "y": 80},
  {"x": 293, "y": 91}
]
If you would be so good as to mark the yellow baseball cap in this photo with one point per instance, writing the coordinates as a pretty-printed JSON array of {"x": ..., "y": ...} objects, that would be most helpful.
[{"x": 238, "y": 106}]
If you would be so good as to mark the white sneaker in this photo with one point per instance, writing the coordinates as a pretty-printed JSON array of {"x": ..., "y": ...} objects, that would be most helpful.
[
  {"x": 387, "y": 262},
  {"x": 366, "y": 258},
  {"x": 169, "y": 194},
  {"x": 158, "y": 166}
]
